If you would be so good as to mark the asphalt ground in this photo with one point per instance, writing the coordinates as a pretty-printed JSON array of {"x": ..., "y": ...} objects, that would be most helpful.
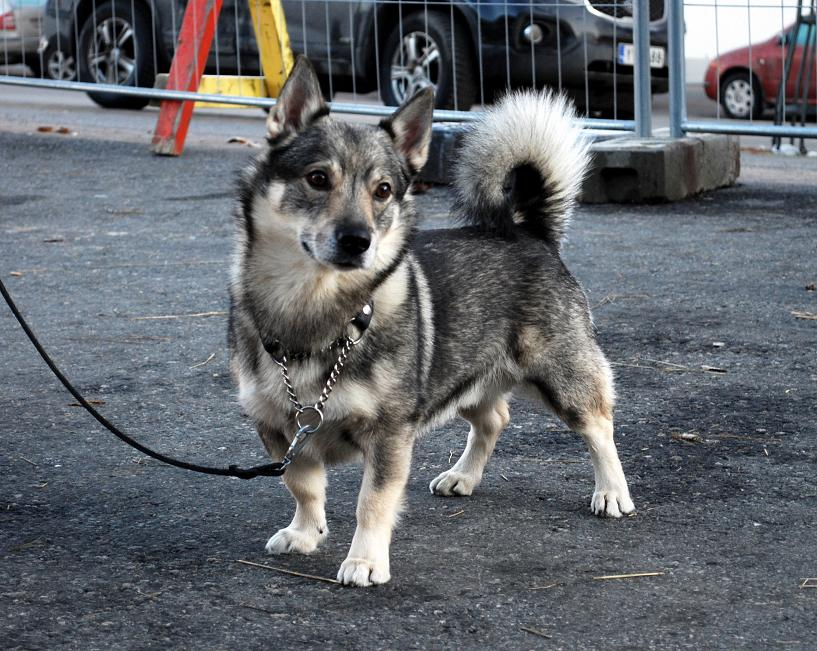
[{"x": 111, "y": 253}]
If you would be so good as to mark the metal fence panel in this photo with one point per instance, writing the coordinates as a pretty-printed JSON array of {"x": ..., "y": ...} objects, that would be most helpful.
[
  {"x": 755, "y": 61},
  {"x": 610, "y": 56},
  {"x": 370, "y": 53}
]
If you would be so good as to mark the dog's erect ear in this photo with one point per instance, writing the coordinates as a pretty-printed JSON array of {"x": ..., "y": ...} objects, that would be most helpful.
[
  {"x": 300, "y": 102},
  {"x": 410, "y": 128}
]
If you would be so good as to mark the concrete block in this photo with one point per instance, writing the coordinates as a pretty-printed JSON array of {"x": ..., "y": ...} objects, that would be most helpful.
[
  {"x": 445, "y": 139},
  {"x": 633, "y": 170},
  {"x": 626, "y": 169}
]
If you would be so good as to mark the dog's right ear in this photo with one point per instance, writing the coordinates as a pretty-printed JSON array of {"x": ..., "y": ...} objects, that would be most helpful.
[
  {"x": 299, "y": 104},
  {"x": 410, "y": 128}
]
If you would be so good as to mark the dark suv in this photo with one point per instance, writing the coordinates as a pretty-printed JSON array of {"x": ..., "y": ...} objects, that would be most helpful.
[{"x": 469, "y": 50}]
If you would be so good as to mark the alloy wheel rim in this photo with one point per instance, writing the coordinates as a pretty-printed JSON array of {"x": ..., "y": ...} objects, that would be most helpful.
[
  {"x": 61, "y": 67},
  {"x": 739, "y": 97},
  {"x": 111, "y": 55},
  {"x": 414, "y": 66}
]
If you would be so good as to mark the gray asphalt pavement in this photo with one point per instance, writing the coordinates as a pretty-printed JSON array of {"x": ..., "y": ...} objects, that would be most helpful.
[{"x": 120, "y": 261}]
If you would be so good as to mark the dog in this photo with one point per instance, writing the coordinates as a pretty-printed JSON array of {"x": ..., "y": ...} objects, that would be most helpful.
[{"x": 458, "y": 319}]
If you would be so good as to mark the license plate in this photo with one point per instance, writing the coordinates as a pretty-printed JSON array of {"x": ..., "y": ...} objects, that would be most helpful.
[{"x": 626, "y": 55}]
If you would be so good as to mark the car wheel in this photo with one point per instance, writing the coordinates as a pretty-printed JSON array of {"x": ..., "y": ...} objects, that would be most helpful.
[
  {"x": 741, "y": 96},
  {"x": 116, "y": 47},
  {"x": 424, "y": 51},
  {"x": 58, "y": 65}
]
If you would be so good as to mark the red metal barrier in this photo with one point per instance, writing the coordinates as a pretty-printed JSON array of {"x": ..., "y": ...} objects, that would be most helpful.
[{"x": 195, "y": 38}]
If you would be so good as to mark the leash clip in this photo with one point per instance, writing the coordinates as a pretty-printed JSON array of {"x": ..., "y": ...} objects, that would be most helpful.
[{"x": 298, "y": 442}]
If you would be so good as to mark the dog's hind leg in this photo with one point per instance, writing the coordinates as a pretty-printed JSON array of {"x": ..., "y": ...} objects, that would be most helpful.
[
  {"x": 611, "y": 496},
  {"x": 487, "y": 422},
  {"x": 385, "y": 473},
  {"x": 306, "y": 480},
  {"x": 579, "y": 389}
]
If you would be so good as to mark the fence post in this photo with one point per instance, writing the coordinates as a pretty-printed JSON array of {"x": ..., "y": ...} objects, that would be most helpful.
[
  {"x": 677, "y": 72},
  {"x": 643, "y": 91}
]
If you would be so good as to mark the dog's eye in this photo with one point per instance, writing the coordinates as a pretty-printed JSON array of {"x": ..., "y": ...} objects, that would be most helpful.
[
  {"x": 383, "y": 191},
  {"x": 317, "y": 179}
]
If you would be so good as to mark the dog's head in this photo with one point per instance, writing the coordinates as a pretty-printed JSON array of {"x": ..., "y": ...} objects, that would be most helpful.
[{"x": 331, "y": 192}]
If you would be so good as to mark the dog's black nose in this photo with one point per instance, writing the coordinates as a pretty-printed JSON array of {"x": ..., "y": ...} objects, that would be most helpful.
[{"x": 353, "y": 240}]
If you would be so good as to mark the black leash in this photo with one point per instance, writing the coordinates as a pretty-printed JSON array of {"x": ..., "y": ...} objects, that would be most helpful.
[{"x": 267, "y": 470}]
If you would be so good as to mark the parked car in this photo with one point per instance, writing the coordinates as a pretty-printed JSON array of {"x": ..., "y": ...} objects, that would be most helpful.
[
  {"x": 583, "y": 46},
  {"x": 20, "y": 27},
  {"x": 746, "y": 81}
]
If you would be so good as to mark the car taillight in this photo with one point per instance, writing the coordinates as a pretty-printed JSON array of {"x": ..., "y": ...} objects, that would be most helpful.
[{"x": 7, "y": 21}]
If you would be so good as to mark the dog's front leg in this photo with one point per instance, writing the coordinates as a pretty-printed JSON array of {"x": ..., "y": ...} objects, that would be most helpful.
[
  {"x": 306, "y": 480},
  {"x": 385, "y": 473}
]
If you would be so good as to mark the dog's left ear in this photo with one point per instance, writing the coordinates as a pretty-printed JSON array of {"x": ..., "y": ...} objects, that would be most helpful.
[
  {"x": 300, "y": 102},
  {"x": 410, "y": 128}
]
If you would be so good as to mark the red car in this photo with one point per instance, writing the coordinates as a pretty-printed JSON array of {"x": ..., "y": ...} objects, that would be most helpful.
[{"x": 743, "y": 94}]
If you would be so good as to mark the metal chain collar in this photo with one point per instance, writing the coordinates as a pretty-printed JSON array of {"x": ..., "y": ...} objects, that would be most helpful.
[
  {"x": 304, "y": 430},
  {"x": 331, "y": 381}
]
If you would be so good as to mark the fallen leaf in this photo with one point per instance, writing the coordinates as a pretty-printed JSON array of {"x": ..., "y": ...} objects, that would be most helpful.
[{"x": 239, "y": 140}]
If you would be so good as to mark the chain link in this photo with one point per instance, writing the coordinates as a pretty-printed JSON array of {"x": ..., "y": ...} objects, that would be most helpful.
[{"x": 331, "y": 381}]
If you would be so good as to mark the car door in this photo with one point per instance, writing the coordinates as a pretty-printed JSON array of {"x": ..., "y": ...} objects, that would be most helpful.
[
  {"x": 323, "y": 31},
  {"x": 772, "y": 58},
  {"x": 795, "y": 81},
  {"x": 222, "y": 55}
]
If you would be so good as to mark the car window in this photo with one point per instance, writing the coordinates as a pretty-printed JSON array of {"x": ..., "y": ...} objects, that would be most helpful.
[{"x": 804, "y": 34}]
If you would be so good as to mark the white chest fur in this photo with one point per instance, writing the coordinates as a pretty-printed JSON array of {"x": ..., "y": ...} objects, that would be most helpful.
[{"x": 263, "y": 394}]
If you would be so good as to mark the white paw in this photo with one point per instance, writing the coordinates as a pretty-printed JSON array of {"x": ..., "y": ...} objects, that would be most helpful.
[
  {"x": 611, "y": 502},
  {"x": 291, "y": 540},
  {"x": 363, "y": 572},
  {"x": 453, "y": 482}
]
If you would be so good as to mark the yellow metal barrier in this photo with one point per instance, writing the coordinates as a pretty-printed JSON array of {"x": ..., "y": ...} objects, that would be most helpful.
[{"x": 270, "y": 26}]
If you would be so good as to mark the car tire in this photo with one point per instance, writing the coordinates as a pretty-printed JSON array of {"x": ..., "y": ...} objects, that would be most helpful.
[
  {"x": 741, "y": 96},
  {"x": 34, "y": 63},
  {"x": 436, "y": 47},
  {"x": 116, "y": 47}
]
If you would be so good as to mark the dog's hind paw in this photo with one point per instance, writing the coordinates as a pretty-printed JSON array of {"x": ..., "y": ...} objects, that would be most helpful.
[
  {"x": 362, "y": 572},
  {"x": 291, "y": 540},
  {"x": 453, "y": 482},
  {"x": 612, "y": 503}
]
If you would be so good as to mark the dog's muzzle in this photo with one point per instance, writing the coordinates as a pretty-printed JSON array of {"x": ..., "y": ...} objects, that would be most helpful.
[{"x": 353, "y": 241}]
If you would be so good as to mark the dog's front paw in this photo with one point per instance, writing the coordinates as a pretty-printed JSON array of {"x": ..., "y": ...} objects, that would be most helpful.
[
  {"x": 454, "y": 482},
  {"x": 363, "y": 572},
  {"x": 291, "y": 540},
  {"x": 612, "y": 502}
]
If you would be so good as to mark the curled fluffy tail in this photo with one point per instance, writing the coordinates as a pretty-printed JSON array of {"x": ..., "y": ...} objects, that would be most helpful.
[{"x": 522, "y": 165}]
